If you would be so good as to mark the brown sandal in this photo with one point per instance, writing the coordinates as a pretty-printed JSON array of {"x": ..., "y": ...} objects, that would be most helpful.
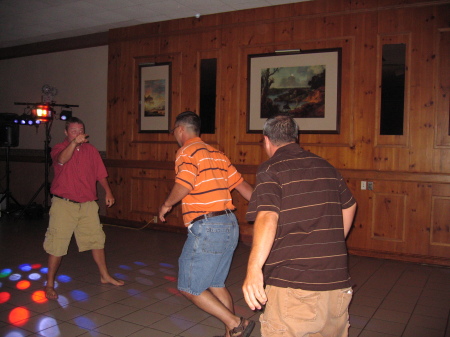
[{"x": 241, "y": 330}]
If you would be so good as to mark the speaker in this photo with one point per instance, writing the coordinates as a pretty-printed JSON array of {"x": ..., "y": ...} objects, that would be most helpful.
[{"x": 9, "y": 131}]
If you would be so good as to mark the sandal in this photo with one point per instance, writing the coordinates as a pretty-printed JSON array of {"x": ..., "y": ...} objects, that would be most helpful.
[{"x": 241, "y": 330}]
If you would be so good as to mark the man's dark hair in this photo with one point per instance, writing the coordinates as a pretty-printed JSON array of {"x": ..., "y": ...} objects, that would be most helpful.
[
  {"x": 190, "y": 119},
  {"x": 281, "y": 129},
  {"x": 72, "y": 120}
]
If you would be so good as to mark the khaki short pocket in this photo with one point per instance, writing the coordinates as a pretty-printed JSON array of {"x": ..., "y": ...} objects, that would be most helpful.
[
  {"x": 301, "y": 304},
  {"x": 340, "y": 301}
]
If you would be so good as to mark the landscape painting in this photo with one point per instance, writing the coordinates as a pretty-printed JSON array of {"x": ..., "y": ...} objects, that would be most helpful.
[
  {"x": 154, "y": 98},
  {"x": 303, "y": 84}
]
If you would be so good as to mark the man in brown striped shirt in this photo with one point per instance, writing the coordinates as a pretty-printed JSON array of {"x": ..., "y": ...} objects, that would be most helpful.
[
  {"x": 303, "y": 211},
  {"x": 204, "y": 180}
]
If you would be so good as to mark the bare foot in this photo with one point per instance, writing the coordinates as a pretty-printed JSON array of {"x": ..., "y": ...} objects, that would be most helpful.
[
  {"x": 111, "y": 280},
  {"x": 50, "y": 293}
]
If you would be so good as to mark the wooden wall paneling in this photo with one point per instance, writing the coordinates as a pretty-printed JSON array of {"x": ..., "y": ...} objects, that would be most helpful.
[
  {"x": 358, "y": 96},
  {"x": 443, "y": 87},
  {"x": 120, "y": 76},
  {"x": 422, "y": 107},
  {"x": 440, "y": 221},
  {"x": 388, "y": 217},
  {"x": 232, "y": 37},
  {"x": 119, "y": 182}
]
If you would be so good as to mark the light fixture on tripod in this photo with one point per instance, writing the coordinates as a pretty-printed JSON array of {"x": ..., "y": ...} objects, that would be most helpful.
[{"x": 44, "y": 113}]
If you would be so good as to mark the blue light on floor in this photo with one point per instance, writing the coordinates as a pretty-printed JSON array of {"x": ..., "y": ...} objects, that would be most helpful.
[
  {"x": 5, "y": 272},
  {"x": 125, "y": 267},
  {"x": 85, "y": 323},
  {"x": 25, "y": 267},
  {"x": 34, "y": 276},
  {"x": 121, "y": 276},
  {"x": 16, "y": 334},
  {"x": 64, "y": 278},
  {"x": 63, "y": 301},
  {"x": 15, "y": 277},
  {"x": 44, "y": 270},
  {"x": 79, "y": 295},
  {"x": 168, "y": 265}
]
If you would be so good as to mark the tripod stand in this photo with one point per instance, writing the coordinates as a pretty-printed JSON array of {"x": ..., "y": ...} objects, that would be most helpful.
[
  {"x": 7, "y": 192},
  {"x": 45, "y": 185}
]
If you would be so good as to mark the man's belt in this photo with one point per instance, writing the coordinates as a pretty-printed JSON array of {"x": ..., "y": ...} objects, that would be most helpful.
[
  {"x": 211, "y": 214},
  {"x": 57, "y": 196}
]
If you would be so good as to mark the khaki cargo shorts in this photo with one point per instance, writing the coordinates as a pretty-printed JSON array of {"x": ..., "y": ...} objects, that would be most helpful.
[{"x": 68, "y": 218}]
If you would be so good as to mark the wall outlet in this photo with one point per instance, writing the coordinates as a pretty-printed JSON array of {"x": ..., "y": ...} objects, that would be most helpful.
[
  {"x": 370, "y": 185},
  {"x": 363, "y": 185},
  {"x": 155, "y": 219}
]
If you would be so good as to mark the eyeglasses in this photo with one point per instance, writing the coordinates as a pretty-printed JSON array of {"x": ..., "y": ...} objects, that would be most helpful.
[{"x": 171, "y": 131}]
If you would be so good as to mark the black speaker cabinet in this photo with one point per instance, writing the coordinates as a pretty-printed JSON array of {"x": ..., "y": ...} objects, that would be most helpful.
[{"x": 9, "y": 131}]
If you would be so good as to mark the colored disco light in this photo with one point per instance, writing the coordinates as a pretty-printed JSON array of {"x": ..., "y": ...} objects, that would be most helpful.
[
  {"x": 121, "y": 276},
  {"x": 36, "y": 266},
  {"x": 5, "y": 272},
  {"x": 25, "y": 267},
  {"x": 4, "y": 297},
  {"x": 167, "y": 265},
  {"x": 49, "y": 327},
  {"x": 64, "y": 278},
  {"x": 63, "y": 301},
  {"x": 15, "y": 277},
  {"x": 79, "y": 295},
  {"x": 34, "y": 276},
  {"x": 138, "y": 263},
  {"x": 174, "y": 291},
  {"x": 19, "y": 316},
  {"x": 85, "y": 323},
  {"x": 170, "y": 278},
  {"x": 44, "y": 270},
  {"x": 125, "y": 267},
  {"x": 39, "y": 296},
  {"x": 133, "y": 292},
  {"x": 22, "y": 285}
]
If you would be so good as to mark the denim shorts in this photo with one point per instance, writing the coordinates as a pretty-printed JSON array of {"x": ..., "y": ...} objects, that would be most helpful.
[{"x": 206, "y": 257}]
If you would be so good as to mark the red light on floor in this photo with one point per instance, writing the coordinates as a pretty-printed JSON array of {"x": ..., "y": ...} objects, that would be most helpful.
[
  {"x": 4, "y": 297},
  {"x": 170, "y": 278},
  {"x": 36, "y": 266},
  {"x": 19, "y": 316},
  {"x": 22, "y": 285},
  {"x": 39, "y": 296}
]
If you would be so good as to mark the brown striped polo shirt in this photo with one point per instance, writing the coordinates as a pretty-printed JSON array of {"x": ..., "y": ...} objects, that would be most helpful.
[
  {"x": 308, "y": 193},
  {"x": 210, "y": 177}
]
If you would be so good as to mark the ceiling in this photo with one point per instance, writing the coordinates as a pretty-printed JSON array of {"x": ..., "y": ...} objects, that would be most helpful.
[{"x": 29, "y": 21}]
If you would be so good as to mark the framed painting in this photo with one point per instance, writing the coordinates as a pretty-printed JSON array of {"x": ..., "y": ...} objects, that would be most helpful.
[
  {"x": 154, "y": 97},
  {"x": 305, "y": 84}
]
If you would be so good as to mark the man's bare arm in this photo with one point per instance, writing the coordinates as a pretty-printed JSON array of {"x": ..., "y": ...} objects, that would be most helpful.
[
  {"x": 263, "y": 236},
  {"x": 348, "y": 214}
]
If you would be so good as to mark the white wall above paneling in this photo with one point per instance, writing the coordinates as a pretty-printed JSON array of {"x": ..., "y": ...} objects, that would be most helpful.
[{"x": 80, "y": 76}]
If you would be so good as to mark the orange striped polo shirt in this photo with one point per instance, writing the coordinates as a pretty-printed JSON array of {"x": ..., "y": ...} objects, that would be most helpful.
[{"x": 210, "y": 177}]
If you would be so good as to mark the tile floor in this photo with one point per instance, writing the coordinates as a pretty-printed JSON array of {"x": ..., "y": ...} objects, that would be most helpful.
[{"x": 391, "y": 298}]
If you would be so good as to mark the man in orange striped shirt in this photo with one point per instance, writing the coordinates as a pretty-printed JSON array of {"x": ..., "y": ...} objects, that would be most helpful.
[{"x": 204, "y": 180}]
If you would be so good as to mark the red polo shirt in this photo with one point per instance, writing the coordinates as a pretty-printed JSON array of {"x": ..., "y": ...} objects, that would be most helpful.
[{"x": 77, "y": 179}]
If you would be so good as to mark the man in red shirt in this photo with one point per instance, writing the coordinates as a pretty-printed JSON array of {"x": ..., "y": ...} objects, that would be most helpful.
[{"x": 78, "y": 166}]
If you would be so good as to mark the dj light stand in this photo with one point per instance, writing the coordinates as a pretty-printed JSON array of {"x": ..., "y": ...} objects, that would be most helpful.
[{"x": 7, "y": 192}]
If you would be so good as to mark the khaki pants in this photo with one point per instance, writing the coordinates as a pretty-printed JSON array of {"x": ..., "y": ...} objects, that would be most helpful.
[{"x": 301, "y": 313}]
